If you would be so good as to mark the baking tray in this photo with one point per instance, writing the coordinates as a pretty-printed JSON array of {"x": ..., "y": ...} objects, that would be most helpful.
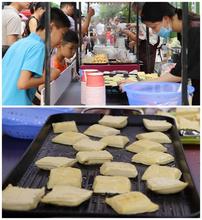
[
  {"x": 114, "y": 90},
  {"x": 26, "y": 174}
]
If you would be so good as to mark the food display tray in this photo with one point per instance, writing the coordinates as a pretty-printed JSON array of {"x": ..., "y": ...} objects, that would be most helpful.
[
  {"x": 115, "y": 90},
  {"x": 183, "y": 204}
]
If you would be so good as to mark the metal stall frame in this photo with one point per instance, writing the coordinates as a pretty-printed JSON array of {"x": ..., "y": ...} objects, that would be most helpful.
[
  {"x": 184, "y": 53},
  {"x": 79, "y": 50},
  {"x": 137, "y": 36},
  {"x": 47, "y": 53},
  {"x": 148, "y": 51}
]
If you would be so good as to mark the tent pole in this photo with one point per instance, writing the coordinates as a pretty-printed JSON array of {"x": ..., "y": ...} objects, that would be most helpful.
[
  {"x": 47, "y": 53},
  {"x": 184, "y": 53}
]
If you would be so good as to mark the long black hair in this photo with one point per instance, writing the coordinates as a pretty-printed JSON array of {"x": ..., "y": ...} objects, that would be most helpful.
[{"x": 35, "y": 5}]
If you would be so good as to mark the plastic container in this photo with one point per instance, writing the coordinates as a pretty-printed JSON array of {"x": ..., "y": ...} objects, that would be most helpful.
[
  {"x": 155, "y": 93},
  {"x": 83, "y": 83},
  {"x": 95, "y": 89},
  {"x": 25, "y": 123}
]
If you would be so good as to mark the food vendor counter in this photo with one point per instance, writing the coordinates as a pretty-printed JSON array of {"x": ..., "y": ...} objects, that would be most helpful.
[{"x": 72, "y": 96}]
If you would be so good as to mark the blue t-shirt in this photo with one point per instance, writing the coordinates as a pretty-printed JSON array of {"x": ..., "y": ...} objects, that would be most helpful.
[{"x": 26, "y": 54}]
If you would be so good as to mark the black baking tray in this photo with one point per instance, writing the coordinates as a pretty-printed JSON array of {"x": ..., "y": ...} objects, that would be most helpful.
[
  {"x": 26, "y": 174},
  {"x": 115, "y": 90}
]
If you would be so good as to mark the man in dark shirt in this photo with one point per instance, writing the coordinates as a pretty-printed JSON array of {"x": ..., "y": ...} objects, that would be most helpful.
[{"x": 193, "y": 62}]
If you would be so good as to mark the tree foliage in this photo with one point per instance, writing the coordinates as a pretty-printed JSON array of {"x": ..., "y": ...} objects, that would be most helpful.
[{"x": 111, "y": 10}]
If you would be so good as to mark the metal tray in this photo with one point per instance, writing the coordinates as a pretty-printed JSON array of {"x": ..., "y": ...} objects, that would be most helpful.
[
  {"x": 114, "y": 90},
  {"x": 26, "y": 174}
]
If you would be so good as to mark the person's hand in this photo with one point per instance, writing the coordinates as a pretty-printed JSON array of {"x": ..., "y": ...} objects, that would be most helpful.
[
  {"x": 91, "y": 12},
  {"x": 55, "y": 73},
  {"x": 122, "y": 83}
]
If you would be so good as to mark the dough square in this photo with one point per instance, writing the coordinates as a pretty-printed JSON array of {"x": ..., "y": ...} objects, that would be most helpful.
[
  {"x": 155, "y": 136},
  {"x": 161, "y": 171},
  {"x": 65, "y": 176},
  {"x": 89, "y": 145},
  {"x": 144, "y": 145},
  {"x": 93, "y": 157},
  {"x": 21, "y": 199},
  {"x": 48, "y": 163},
  {"x": 118, "y": 141},
  {"x": 69, "y": 138},
  {"x": 61, "y": 127},
  {"x": 114, "y": 121},
  {"x": 152, "y": 157},
  {"x": 131, "y": 203},
  {"x": 164, "y": 185},
  {"x": 67, "y": 196},
  {"x": 118, "y": 169},
  {"x": 156, "y": 125},
  {"x": 111, "y": 184},
  {"x": 97, "y": 130}
]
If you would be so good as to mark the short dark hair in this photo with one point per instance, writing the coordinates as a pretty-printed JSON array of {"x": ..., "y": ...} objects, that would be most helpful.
[
  {"x": 57, "y": 17},
  {"x": 155, "y": 11},
  {"x": 138, "y": 4},
  {"x": 70, "y": 37},
  {"x": 35, "y": 5},
  {"x": 63, "y": 4}
]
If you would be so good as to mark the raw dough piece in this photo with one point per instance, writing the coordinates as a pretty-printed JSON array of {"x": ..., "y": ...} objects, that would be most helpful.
[
  {"x": 158, "y": 137},
  {"x": 111, "y": 184},
  {"x": 65, "y": 176},
  {"x": 156, "y": 125},
  {"x": 93, "y": 157},
  {"x": 67, "y": 196},
  {"x": 18, "y": 198},
  {"x": 89, "y": 145},
  {"x": 118, "y": 141},
  {"x": 61, "y": 127},
  {"x": 163, "y": 185},
  {"x": 118, "y": 169},
  {"x": 97, "y": 130},
  {"x": 188, "y": 124},
  {"x": 114, "y": 121},
  {"x": 145, "y": 145},
  {"x": 152, "y": 157},
  {"x": 131, "y": 203},
  {"x": 161, "y": 171},
  {"x": 48, "y": 163},
  {"x": 69, "y": 138}
]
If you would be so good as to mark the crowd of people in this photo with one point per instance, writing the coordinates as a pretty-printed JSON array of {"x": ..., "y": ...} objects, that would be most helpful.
[{"x": 24, "y": 51}]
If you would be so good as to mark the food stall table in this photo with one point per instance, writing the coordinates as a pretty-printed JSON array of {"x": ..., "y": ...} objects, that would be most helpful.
[{"x": 72, "y": 96}]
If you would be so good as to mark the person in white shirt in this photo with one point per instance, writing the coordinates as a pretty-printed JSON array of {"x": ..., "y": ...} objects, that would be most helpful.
[
  {"x": 69, "y": 9},
  {"x": 154, "y": 40},
  {"x": 11, "y": 22},
  {"x": 100, "y": 31}
]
